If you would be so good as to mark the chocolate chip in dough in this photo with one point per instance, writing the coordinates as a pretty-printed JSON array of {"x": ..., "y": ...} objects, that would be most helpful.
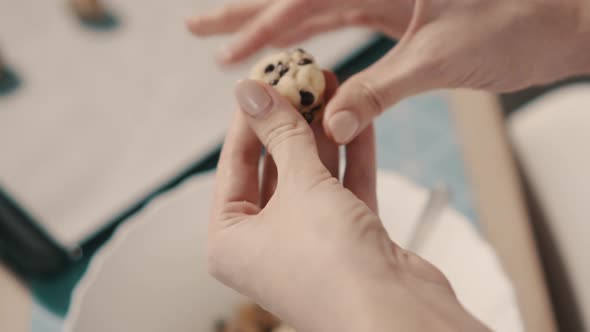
[
  {"x": 283, "y": 71},
  {"x": 297, "y": 76},
  {"x": 304, "y": 62},
  {"x": 269, "y": 69},
  {"x": 316, "y": 109},
  {"x": 307, "y": 98}
]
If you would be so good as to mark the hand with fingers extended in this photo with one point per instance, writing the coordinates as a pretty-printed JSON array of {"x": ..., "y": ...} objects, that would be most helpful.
[
  {"x": 499, "y": 45},
  {"x": 306, "y": 247}
]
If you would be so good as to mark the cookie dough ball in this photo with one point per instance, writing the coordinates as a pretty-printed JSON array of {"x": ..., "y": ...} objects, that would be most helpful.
[
  {"x": 88, "y": 10},
  {"x": 296, "y": 76}
]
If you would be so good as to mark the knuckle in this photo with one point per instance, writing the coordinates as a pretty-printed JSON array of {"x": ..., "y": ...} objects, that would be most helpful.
[
  {"x": 371, "y": 97},
  {"x": 283, "y": 132},
  {"x": 366, "y": 222},
  {"x": 370, "y": 230},
  {"x": 233, "y": 212},
  {"x": 420, "y": 268},
  {"x": 320, "y": 178}
]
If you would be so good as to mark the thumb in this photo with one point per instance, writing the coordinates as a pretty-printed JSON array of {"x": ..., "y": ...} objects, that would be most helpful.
[
  {"x": 403, "y": 72},
  {"x": 283, "y": 131}
]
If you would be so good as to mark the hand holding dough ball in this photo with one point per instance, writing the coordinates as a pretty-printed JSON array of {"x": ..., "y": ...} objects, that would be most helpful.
[
  {"x": 296, "y": 76},
  {"x": 88, "y": 10}
]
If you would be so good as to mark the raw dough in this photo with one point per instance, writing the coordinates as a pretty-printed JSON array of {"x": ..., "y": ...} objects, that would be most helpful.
[{"x": 295, "y": 75}]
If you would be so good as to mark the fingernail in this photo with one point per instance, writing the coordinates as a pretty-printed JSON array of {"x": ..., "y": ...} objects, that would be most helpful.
[
  {"x": 253, "y": 98},
  {"x": 343, "y": 126}
]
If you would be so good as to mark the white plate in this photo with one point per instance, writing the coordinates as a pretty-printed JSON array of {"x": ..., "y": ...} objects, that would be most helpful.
[{"x": 151, "y": 276}]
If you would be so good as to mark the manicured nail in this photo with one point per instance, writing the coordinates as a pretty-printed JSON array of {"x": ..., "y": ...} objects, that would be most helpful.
[
  {"x": 343, "y": 126},
  {"x": 253, "y": 98}
]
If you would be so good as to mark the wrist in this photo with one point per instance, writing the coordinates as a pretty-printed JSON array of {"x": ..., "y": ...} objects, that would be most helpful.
[{"x": 407, "y": 305}]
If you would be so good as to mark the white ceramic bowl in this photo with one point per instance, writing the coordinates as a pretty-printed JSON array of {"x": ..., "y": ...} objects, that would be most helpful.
[{"x": 151, "y": 276}]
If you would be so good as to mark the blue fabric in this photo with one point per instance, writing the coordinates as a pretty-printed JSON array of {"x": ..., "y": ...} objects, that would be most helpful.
[{"x": 417, "y": 139}]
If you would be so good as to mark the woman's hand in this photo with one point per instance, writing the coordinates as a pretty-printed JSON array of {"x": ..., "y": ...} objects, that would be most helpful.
[
  {"x": 499, "y": 45},
  {"x": 306, "y": 247}
]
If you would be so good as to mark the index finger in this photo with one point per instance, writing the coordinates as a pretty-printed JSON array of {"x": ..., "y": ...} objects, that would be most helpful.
[{"x": 275, "y": 20}]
